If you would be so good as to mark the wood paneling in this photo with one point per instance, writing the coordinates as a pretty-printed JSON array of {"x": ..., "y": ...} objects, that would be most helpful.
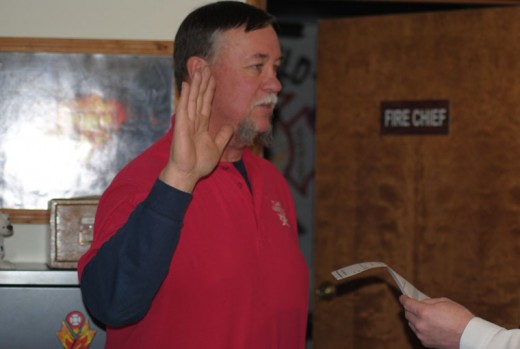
[
  {"x": 10, "y": 44},
  {"x": 444, "y": 210}
]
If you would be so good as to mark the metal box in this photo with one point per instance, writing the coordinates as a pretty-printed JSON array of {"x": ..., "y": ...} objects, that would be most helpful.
[
  {"x": 36, "y": 307},
  {"x": 71, "y": 229}
]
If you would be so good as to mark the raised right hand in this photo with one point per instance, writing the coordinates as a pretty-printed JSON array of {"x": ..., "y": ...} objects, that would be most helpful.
[{"x": 194, "y": 151}]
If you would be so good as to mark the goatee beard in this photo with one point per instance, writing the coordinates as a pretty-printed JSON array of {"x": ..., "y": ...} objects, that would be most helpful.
[{"x": 247, "y": 135}]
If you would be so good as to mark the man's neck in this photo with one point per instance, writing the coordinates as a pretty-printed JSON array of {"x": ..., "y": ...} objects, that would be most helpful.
[{"x": 232, "y": 153}]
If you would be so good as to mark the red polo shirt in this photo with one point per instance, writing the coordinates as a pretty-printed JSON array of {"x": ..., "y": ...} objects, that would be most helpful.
[{"x": 237, "y": 278}]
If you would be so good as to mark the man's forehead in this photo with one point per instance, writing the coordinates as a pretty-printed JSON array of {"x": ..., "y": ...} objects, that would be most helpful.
[{"x": 260, "y": 43}]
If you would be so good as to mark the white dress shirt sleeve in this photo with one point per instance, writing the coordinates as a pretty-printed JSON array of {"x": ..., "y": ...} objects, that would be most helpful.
[{"x": 482, "y": 334}]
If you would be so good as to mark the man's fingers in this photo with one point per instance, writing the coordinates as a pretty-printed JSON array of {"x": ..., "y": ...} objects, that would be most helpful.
[
  {"x": 193, "y": 97},
  {"x": 437, "y": 300},
  {"x": 182, "y": 107},
  {"x": 183, "y": 99},
  {"x": 200, "y": 98},
  {"x": 409, "y": 304},
  {"x": 412, "y": 326},
  {"x": 410, "y": 316},
  {"x": 207, "y": 99},
  {"x": 204, "y": 90}
]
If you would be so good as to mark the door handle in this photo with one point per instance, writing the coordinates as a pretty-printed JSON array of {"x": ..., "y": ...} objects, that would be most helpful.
[{"x": 326, "y": 291}]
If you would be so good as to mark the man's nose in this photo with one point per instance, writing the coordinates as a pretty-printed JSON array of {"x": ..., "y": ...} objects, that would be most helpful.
[{"x": 273, "y": 84}]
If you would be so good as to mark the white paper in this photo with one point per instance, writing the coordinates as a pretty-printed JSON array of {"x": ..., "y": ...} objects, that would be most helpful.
[{"x": 405, "y": 287}]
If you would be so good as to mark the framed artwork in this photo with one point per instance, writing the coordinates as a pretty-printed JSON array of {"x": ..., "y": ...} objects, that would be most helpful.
[{"x": 72, "y": 113}]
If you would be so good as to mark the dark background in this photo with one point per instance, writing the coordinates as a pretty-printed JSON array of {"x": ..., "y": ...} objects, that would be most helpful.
[{"x": 315, "y": 9}]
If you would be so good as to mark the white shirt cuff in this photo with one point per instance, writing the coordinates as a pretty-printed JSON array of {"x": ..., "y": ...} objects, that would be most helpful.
[{"x": 478, "y": 333}]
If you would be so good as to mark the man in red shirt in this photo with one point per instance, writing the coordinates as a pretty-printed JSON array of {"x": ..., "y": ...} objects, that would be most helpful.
[{"x": 195, "y": 241}]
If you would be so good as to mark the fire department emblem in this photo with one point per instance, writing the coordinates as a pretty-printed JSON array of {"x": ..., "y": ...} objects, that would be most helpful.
[
  {"x": 75, "y": 332},
  {"x": 278, "y": 209}
]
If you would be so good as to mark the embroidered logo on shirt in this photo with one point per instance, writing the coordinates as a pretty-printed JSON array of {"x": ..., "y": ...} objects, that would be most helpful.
[{"x": 277, "y": 207}]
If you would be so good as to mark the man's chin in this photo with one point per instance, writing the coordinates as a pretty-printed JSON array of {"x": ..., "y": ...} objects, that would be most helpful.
[
  {"x": 264, "y": 139},
  {"x": 251, "y": 132}
]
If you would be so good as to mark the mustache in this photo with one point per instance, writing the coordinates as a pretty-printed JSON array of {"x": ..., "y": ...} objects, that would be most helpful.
[{"x": 271, "y": 100}]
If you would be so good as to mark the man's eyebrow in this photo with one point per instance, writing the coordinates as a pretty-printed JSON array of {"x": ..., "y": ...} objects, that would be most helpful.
[
  {"x": 261, "y": 56},
  {"x": 264, "y": 57}
]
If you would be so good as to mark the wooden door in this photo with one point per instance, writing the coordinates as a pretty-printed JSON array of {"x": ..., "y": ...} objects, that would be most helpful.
[{"x": 442, "y": 210}]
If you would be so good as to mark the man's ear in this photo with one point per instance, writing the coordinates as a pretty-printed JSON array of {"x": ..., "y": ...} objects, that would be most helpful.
[{"x": 195, "y": 64}]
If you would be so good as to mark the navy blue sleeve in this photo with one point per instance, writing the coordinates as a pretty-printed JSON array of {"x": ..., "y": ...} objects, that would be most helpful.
[{"x": 119, "y": 283}]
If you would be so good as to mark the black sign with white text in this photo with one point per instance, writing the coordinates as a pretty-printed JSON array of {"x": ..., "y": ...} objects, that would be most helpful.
[{"x": 415, "y": 117}]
